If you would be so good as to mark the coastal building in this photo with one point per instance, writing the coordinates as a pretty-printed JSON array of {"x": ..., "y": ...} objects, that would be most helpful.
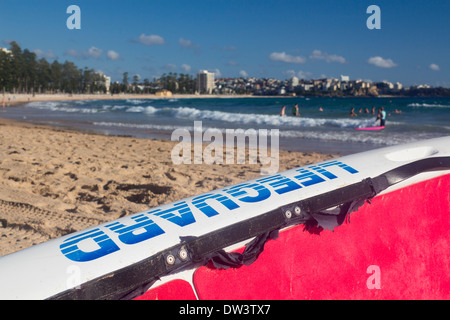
[
  {"x": 398, "y": 86},
  {"x": 294, "y": 82},
  {"x": 5, "y": 50},
  {"x": 107, "y": 83},
  {"x": 163, "y": 93},
  {"x": 388, "y": 84},
  {"x": 307, "y": 86},
  {"x": 205, "y": 82},
  {"x": 103, "y": 80}
]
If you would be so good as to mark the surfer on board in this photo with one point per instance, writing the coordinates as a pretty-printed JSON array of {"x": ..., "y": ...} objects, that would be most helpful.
[{"x": 381, "y": 116}]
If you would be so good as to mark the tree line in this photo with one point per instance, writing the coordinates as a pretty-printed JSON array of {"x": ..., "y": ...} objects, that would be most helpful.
[
  {"x": 173, "y": 82},
  {"x": 22, "y": 72}
]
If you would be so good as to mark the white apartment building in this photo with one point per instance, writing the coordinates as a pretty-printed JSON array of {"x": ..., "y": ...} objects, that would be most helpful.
[{"x": 205, "y": 82}]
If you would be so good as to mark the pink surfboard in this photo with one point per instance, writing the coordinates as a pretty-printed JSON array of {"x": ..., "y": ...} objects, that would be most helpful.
[{"x": 371, "y": 128}]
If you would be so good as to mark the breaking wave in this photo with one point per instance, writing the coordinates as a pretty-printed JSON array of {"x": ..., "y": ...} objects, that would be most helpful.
[{"x": 428, "y": 105}]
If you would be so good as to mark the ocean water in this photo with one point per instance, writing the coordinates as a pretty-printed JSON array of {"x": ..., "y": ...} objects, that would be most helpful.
[{"x": 330, "y": 130}]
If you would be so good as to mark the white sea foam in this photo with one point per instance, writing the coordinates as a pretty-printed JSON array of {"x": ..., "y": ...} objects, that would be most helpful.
[
  {"x": 62, "y": 106},
  {"x": 51, "y": 105},
  {"x": 135, "y": 109},
  {"x": 187, "y": 113},
  {"x": 428, "y": 105},
  {"x": 140, "y": 126},
  {"x": 348, "y": 136},
  {"x": 147, "y": 110},
  {"x": 267, "y": 119},
  {"x": 134, "y": 101}
]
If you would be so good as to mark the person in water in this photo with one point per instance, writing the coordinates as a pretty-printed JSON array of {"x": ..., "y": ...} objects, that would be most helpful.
[
  {"x": 382, "y": 117},
  {"x": 283, "y": 111},
  {"x": 295, "y": 111},
  {"x": 353, "y": 113}
]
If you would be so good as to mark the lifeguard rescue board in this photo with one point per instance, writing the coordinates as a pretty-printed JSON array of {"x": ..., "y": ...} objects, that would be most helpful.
[{"x": 293, "y": 230}]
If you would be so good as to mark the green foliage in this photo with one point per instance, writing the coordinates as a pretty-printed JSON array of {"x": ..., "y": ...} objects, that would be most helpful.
[{"x": 21, "y": 72}]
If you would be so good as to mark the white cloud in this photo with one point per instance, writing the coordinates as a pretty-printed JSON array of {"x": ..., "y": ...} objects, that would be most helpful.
[
  {"x": 185, "y": 43},
  {"x": 304, "y": 74},
  {"x": 72, "y": 53},
  {"x": 186, "y": 67},
  {"x": 113, "y": 55},
  {"x": 151, "y": 40},
  {"x": 42, "y": 54},
  {"x": 381, "y": 62},
  {"x": 300, "y": 74},
  {"x": 243, "y": 74},
  {"x": 93, "y": 52},
  {"x": 282, "y": 56},
  {"x": 169, "y": 67},
  {"x": 217, "y": 73},
  {"x": 188, "y": 44},
  {"x": 319, "y": 55},
  {"x": 434, "y": 67}
]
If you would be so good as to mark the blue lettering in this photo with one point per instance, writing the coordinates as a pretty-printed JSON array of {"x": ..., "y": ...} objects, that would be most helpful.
[
  {"x": 200, "y": 203},
  {"x": 280, "y": 180},
  {"x": 70, "y": 247},
  {"x": 143, "y": 229},
  {"x": 241, "y": 194},
  {"x": 180, "y": 214},
  {"x": 309, "y": 177},
  {"x": 95, "y": 243},
  {"x": 324, "y": 172},
  {"x": 340, "y": 165}
]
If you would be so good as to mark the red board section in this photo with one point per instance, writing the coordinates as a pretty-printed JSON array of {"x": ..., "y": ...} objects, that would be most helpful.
[
  {"x": 176, "y": 289},
  {"x": 395, "y": 248}
]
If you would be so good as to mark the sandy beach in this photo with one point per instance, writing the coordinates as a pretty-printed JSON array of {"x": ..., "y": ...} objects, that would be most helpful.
[
  {"x": 55, "y": 181},
  {"x": 9, "y": 99}
]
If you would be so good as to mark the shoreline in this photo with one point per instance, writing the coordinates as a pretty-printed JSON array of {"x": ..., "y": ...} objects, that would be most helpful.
[
  {"x": 338, "y": 148},
  {"x": 15, "y": 99},
  {"x": 55, "y": 181}
]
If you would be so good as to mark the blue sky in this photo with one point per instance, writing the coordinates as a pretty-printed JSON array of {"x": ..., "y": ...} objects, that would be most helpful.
[{"x": 265, "y": 38}]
